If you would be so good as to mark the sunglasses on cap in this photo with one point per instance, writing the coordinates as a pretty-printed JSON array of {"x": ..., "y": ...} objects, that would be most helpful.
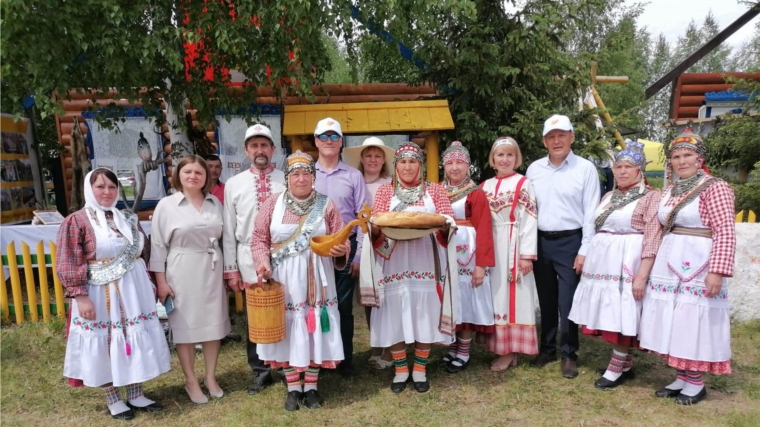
[{"x": 324, "y": 137}]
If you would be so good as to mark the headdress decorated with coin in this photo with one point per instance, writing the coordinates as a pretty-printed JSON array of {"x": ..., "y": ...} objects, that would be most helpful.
[{"x": 456, "y": 151}]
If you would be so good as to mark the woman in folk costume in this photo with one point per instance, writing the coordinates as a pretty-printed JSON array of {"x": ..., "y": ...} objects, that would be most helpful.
[
  {"x": 475, "y": 253},
  {"x": 685, "y": 315},
  {"x": 608, "y": 300},
  {"x": 115, "y": 337},
  {"x": 280, "y": 244},
  {"x": 403, "y": 280},
  {"x": 513, "y": 287}
]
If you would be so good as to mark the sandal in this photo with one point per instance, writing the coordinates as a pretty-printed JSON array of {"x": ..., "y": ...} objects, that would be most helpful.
[
  {"x": 381, "y": 364},
  {"x": 373, "y": 360},
  {"x": 499, "y": 368}
]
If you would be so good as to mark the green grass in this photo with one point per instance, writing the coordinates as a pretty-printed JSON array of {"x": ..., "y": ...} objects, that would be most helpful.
[{"x": 34, "y": 392}]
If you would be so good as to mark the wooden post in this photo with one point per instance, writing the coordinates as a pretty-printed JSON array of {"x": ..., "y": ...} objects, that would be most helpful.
[
  {"x": 4, "y": 297},
  {"x": 296, "y": 143},
  {"x": 44, "y": 292},
  {"x": 431, "y": 149},
  {"x": 605, "y": 115},
  {"x": 60, "y": 303},
  {"x": 18, "y": 301},
  {"x": 31, "y": 293}
]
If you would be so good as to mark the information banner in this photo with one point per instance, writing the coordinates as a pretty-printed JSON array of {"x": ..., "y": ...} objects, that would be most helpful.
[{"x": 20, "y": 181}]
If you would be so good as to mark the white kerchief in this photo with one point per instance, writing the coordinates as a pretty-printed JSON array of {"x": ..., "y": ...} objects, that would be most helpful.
[{"x": 101, "y": 226}]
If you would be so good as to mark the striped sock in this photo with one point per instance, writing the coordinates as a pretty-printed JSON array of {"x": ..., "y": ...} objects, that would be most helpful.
[
  {"x": 135, "y": 396},
  {"x": 402, "y": 366},
  {"x": 310, "y": 379},
  {"x": 616, "y": 365},
  {"x": 463, "y": 351},
  {"x": 453, "y": 349},
  {"x": 112, "y": 394},
  {"x": 293, "y": 379},
  {"x": 694, "y": 383},
  {"x": 420, "y": 362},
  {"x": 680, "y": 381}
]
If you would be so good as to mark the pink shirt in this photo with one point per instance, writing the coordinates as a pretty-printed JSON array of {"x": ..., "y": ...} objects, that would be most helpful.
[{"x": 218, "y": 191}]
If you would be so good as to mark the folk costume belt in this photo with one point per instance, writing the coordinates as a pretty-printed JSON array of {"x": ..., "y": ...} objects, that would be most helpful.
[
  {"x": 690, "y": 231},
  {"x": 554, "y": 235}
]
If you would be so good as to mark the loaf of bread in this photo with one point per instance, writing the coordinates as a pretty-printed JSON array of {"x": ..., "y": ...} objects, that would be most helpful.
[{"x": 415, "y": 220}]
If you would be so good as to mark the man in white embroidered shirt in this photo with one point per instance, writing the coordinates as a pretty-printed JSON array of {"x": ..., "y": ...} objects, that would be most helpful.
[{"x": 567, "y": 192}]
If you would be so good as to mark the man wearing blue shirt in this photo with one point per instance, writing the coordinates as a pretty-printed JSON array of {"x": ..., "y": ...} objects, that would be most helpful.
[{"x": 567, "y": 193}]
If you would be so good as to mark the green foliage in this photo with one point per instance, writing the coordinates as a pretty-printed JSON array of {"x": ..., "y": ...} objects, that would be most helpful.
[
  {"x": 339, "y": 70},
  {"x": 50, "y": 46}
]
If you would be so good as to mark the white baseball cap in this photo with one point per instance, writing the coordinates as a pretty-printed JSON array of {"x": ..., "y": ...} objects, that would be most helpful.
[
  {"x": 328, "y": 124},
  {"x": 258, "y": 130},
  {"x": 557, "y": 122}
]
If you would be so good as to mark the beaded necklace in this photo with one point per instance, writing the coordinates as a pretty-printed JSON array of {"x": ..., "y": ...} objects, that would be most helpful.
[
  {"x": 684, "y": 186},
  {"x": 300, "y": 207}
]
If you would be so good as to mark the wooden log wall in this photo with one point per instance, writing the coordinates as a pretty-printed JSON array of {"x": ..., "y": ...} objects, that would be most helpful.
[
  {"x": 690, "y": 91},
  {"x": 332, "y": 94}
]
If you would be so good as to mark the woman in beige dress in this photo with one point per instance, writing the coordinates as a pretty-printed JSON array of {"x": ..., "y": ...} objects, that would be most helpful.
[{"x": 187, "y": 259}]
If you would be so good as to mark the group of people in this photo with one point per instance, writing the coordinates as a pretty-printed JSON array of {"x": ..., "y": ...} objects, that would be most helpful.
[{"x": 652, "y": 267}]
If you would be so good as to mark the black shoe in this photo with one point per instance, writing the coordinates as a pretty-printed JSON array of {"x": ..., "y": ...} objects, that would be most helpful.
[
  {"x": 569, "y": 368},
  {"x": 422, "y": 386},
  {"x": 347, "y": 371},
  {"x": 127, "y": 415},
  {"x": 683, "y": 399},
  {"x": 629, "y": 374},
  {"x": 153, "y": 407},
  {"x": 294, "y": 401},
  {"x": 543, "y": 359},
  {"x": 455, "y": 369},
  {"x": 231, "y": 337},
  {"x": 605, "y": 384},
  {"x": 445, "y": 360},
  {"x": 312, "y": 400},
  {"x": 259, "y": 384},
  {"x": 399, "y": 387},
  {"x": 666, "y": 392}
]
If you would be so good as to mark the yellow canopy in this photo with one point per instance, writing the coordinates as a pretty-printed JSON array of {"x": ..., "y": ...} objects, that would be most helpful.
[{"x": 655, "y": 155}]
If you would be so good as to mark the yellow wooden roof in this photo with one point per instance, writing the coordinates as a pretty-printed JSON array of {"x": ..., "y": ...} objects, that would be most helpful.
[{"x": 370, "y": 117}]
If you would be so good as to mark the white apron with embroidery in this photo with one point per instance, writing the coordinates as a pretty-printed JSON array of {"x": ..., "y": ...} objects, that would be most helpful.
[
  {"x": 96, "y": 351},
  {"x": 300, "y": 347},
  {"x": 604, "y": 298},
  {"x": 677, "y": 318},
  {"x": 476, "y": 304},
  {"x": 411, "y": 310}
]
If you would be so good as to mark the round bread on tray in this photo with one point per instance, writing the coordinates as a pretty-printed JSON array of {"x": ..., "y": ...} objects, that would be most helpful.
[{"x": 411, "y": 220}]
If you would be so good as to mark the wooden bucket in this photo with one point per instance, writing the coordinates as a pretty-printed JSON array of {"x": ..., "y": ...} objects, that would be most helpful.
[{"x": 266, "y": 312}]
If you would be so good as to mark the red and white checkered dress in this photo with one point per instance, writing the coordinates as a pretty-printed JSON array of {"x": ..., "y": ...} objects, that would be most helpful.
[{"x": 678, "y": 320}]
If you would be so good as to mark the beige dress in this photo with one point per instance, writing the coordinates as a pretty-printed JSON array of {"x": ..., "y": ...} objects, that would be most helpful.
[{"x": 185, "y": 245}]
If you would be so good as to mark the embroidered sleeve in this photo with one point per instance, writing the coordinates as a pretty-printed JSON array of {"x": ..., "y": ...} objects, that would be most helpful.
[
  {"x": 716, "y": 208},
  {"x": 76, "y": 246},
  {"x": 229, "y": 241},
  {"x": 442, "y": 206},
  {"x": 528, "y": 222},
  {"x": 477, "y": 211},
  {"x": 334, "y": 223},
  {"x": 261, "y": 240},
  {"x": 645, "y": 220},
  {"x": 160, "y": 236}
]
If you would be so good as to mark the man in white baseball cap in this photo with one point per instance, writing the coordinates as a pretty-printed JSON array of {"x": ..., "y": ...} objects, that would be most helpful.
[
  {"x": 243, "y": 195},
  {"x": 567, "y": 192},
  {"x": 345, "y": 186}
]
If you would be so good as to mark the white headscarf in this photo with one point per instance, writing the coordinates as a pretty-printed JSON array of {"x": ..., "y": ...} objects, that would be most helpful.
[{"x": 101, "y": 226}]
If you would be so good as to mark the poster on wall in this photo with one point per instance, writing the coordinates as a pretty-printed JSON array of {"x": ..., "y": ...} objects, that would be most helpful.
[
  {"x": 231, "y": 136},
  {"x": 20, "y": 181},
  {"x": 117, "y": 150}
]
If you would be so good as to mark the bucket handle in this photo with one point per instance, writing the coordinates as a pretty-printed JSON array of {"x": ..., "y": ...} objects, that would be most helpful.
[{"x": 262, "y": 286}]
